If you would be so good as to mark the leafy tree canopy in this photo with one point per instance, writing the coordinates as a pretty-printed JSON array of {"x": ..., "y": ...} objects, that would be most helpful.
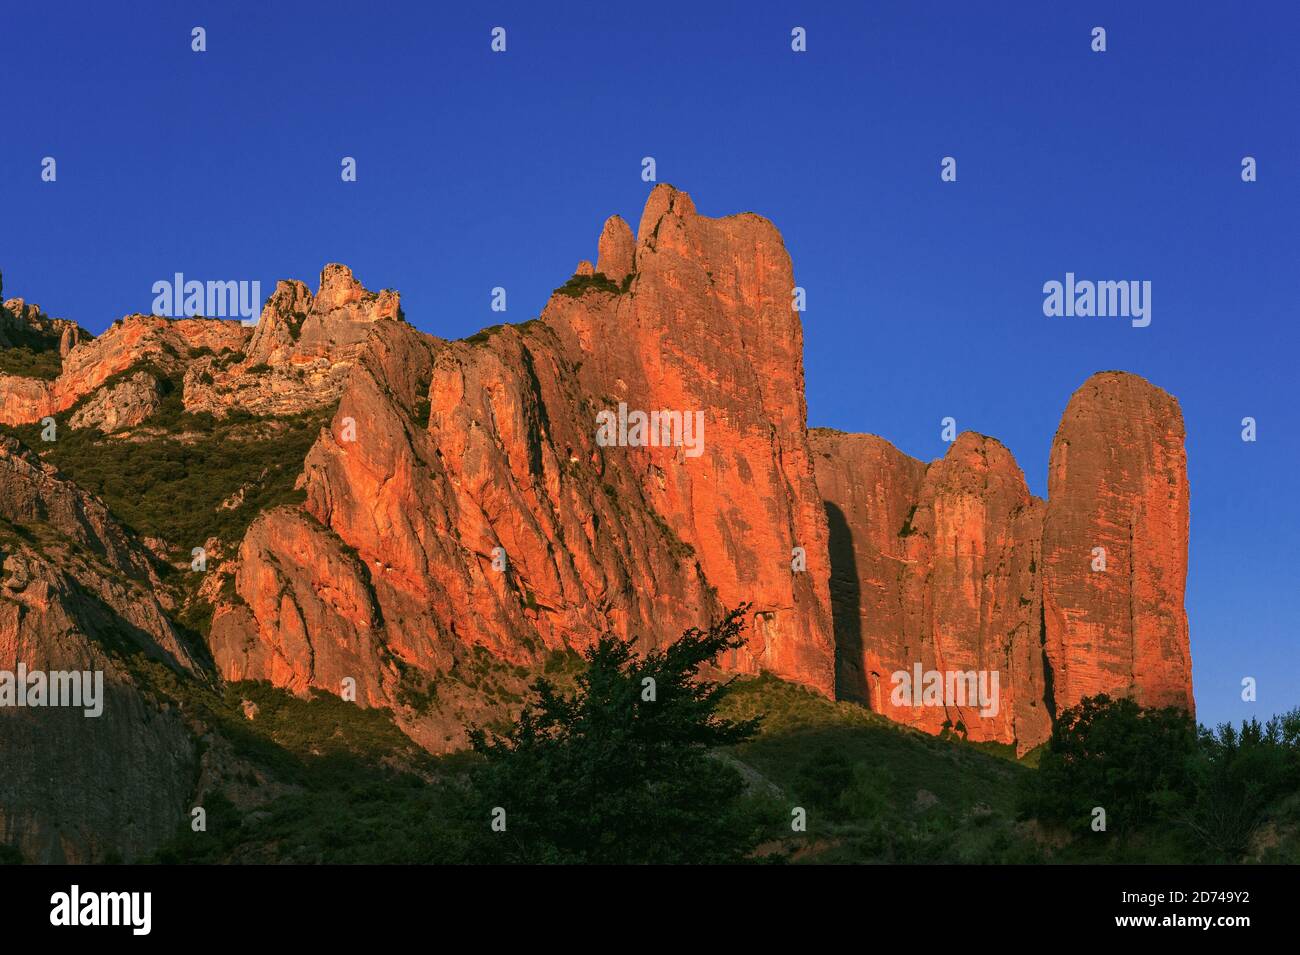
[{"x": 620, "y": 771}]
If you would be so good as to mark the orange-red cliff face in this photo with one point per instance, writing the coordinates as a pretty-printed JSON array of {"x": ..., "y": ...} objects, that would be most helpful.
[
  {"x": 466, "y": 518},
  {"x": 955, "y": 567},
  {"x": 299, "y": 354},
  {"x": 90, "y": 363},
  {"x": 707, "y": 326},
  {"x": 1115, "y": 546},
  {"x": 870, "y": 490},
  {"x": 462, "y": 499},
  {"x": 936, "y": 567}
]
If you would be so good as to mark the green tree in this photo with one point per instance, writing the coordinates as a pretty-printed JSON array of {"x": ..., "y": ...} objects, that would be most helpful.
[
  {"x": 1242, "y": 773},
  {"x": 1134, "y": 762},
  {"x": 620, "y": 771},
  {"x": 824, "y": 777}
]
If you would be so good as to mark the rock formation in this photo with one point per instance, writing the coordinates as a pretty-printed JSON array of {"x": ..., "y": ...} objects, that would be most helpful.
[
  {"x": 707, "y": 326},
  {"x": 24, "y": 325},
  {"x": 870, "y": 489},
  {"x": 125, "y": 404},
  {"x": 476, "y": 508},
  {"x": 78, "y": 594},
  {"x": 496, "y": 437},
  {"x": 936, "y": 567},
  {"x": 980, "y": 576},
  {"x": 1115, "y": 546},
  {"x": 163, "y": 344},
  {"x": 300, "y": 351}
]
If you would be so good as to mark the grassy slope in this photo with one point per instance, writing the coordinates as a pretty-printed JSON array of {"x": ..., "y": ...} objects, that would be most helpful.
[
  {"x": 361, "y": 795},
  {"x": 858, "y": 776},
  {"x": 319, "y": 780},
  {"x": 358, "y": 791},
  {"x": 875, "y": 791},
  {"x": 41, "y": 363},
  {"x": 168, "y": 478}
]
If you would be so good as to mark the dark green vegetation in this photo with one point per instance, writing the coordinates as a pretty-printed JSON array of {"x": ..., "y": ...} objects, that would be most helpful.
[
  {"x": 604, "y": 774},
  {"x": 316, "y": 781},
  {"x": 712, "y": 773},
  {"x": 169, "y": 477},
  {"x": 580, "y": 285},
  {"x": 184, "y": 478},
  {"x": 31, "y": 363},
  {"x": 599, "y": 774},
  {"x": 484, "y": 336},
  {"x": 874, "y": 791},
  {"x": 29, "y": 351},
  {"x": 1132, "y": 762},
  {"x": 620, "y": 771},
  {"x": 322, "y": 780},
  {"x": 610, "y": 772},
  {"x": 877, "y": 792},
  {"x": 1171, "y": 792}
]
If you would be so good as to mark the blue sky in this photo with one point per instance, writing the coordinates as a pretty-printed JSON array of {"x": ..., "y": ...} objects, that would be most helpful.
[{"x": 924, "y": 298}]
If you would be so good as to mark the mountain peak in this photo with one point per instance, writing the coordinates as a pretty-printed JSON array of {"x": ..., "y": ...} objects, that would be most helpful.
[{"x": 616, "y": 251}]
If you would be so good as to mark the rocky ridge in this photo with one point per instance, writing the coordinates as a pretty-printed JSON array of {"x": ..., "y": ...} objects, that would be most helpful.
[{"x": 462, "y": 523}]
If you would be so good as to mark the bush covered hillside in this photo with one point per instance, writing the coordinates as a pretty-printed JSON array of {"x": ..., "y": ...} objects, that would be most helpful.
[
  {"x": 755, "y": 769},
  {"x": 181, "y": 477}
]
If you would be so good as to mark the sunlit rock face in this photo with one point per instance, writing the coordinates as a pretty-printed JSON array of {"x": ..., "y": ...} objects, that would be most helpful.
[
  {"x": 448, "y": 461},
  {"x": 956, "y": 568},
  {"x": 1118, "y": 493}
]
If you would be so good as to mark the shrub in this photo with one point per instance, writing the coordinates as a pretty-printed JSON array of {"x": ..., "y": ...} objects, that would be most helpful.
[
  {"x": 165, "y": 487},
  {"x": 1135, "y": 763},
  {"x": 580, "y": 285},
  {"x": 1241, "y": 774},
  {"x": 29, "y": 363},
  {"x": 824, "y": 778},
  {"x": 9, "y": 855},
  {"x": 609, "y": 776}
]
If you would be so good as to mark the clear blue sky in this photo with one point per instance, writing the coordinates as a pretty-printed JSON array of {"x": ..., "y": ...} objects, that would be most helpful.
[{"x": 924, "y": 298}]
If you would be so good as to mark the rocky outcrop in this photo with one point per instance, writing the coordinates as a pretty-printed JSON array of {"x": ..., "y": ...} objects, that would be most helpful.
[
  {"x": 69, "y": 339},
  {"x": 532, "y": 536},
  {"x": 973, "y": 548},
  {"x": 616, "y": 251},
  {"x": 165, "y": 345},
  {"x": 310, "y": 619},
  {"x": 79, "y": 594},
  {"x": 123, "y": 405},
  {"x": 956, "y": 568},
  {"x": 475, "y": 508},
  {"x": 299, "y": 355},
  {"x": 297, "y": 358},
  {"x": 706, "y": 326},
  {"x": 1115, "y": 546},
  {"x": 870, "y": 490},
  {"x": 79, "y": 788},
  {"x": 24, "y": 325},
  {"x": 935, "y": 567}
]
